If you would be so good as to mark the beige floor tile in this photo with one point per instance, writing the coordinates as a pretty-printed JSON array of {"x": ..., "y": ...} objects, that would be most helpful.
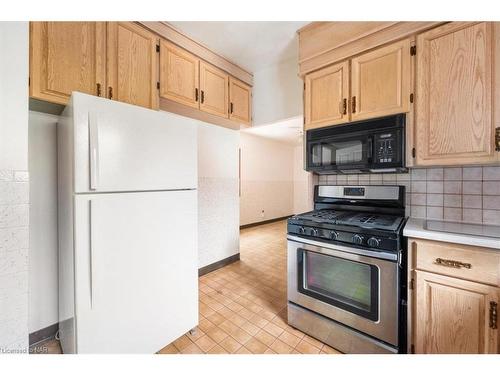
[
  {"x": 280, "y": 347},
  {"x": 250, "y": 328},
  {"x": 241, "y": 336},
  {"x": 192, "y": 349},
  {"x": 269, "y": 351},
  {"x": 329, "y": 350},
  {"x": 182, "y": 342},
  {"x": 255, "y": 346},
  {"x": 313, "y": 341},
  {"x": 273, "y": 329},
  {"x": 169, "y": 349},
  {"x": 216, "y": 334},
  {"x": 230, "y": 344},
  {"x": 265, "y": 337},
  {"x": 217, "y": 349},
  {"x": 289, "y": 339},
  {"x": 243, "y": 350},
  {"x": 205, "y": 343},
  {"x": 307, "y": 348}
]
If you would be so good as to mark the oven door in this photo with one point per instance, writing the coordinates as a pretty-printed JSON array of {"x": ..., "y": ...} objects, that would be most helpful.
[
  {"x": 341, "y": 153},
  {"x": 357, "y": 290}
]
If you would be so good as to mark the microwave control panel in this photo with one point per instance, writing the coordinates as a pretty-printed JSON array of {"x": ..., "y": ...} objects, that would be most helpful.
[{"x": 385, "y": 148}]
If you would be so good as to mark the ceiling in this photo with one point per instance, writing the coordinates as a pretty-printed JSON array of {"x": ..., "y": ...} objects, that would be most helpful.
[
  {"x": 251, "y": 45},
  {"x": 287, "y": 131}
]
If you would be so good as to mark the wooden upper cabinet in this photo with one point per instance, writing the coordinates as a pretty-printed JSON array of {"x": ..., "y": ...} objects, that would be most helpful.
[
  {"x": 326, "y": 96},
  {"x": 380, "y": 83},
  {"x": 240, "y": 101},
  {"x": 454, "y": 117},
  {"x": 214, "y": 90},
  {"x": 132, "y": 65},
  {"x": 66, "y": 57},
  {"x": 453, "y": 315},
  {"x": 179, "y": 75}
]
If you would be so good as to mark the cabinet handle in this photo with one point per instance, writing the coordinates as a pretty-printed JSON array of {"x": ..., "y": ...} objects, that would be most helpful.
[
  {"x": 353, "y": 104},
  {"x": 98, "y": 89},
  {"x": 497, "y": 139},
  {"x": 202, "y": 96},
  {"x": 452, "y": 263},
  {"x": 110, "y": 92},
  {"x": 493, "y": 314},
  {"x": 231, "y": 107},
  {"x": 196, "y": 94},
  {"x": 344, "y": 107}
]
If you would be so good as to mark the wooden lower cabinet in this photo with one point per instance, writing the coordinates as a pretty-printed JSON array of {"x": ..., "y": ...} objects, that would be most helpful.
[
  {"x": 132, "y": 65},
  {"x": 454, "y": 315}
]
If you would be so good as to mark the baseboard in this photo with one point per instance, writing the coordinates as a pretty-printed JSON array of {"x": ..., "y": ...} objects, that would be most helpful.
[
  {"x": 264, "y": 222},
  {"x": 43, "y": 334},
  {"x": 221, "y": 263}
]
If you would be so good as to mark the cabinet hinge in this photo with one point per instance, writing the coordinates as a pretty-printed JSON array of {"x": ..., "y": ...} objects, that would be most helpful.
[
  {"x": 157, "y": 48},
  {"x": 411, "y": 98},
  {"x": 413, "y": 50},
  {"x": 158, "y": 85},
  {"x": 413, "y": 152}
]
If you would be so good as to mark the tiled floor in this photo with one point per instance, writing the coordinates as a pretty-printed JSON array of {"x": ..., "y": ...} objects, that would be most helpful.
[{"x": 243, "y": 305}]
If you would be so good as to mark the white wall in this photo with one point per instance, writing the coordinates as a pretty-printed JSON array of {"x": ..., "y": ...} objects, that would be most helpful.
[
  {"x": 43, "y": 274},
  {"x": 266, "y": 179},
  {"x": 303, "y": 183},
  {"x": 277, "y": 93},
  {"x": 14, "y": 197},
  {"x": 218, "y": 210}
]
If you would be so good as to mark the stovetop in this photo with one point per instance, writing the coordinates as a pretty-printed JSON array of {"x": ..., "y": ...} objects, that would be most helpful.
[
  {"x": 362, "y": 229},
  {"x": 357, "y": 219}
]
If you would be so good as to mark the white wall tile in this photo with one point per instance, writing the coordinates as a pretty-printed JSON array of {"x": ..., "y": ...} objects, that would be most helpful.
[
  {"x": 471, "y": 201},
  {"x": 491, "y": 173},
  {"x": 472, "y": 187},
  {"x": 453, "y": 214},
  {"x": 452, "y": 187},
  {"x": 472, "y": 173},
  {"x": 418, "y": 199},
  {"x": 435, "y": 200},
  {"x": 491, "y": 217},
  {"x": 419, "y": 174},
  {"x": 453, "y": 174},
  {"x": 435, "y": 187},
  {"x": 491, "y": 188},
  {"x": 435, "y": 174},
  {"x": 472, "y": 215},
  {"x": 435, "y": 213},
  {"x": 418, "y": 211},
  {"x": 452, "y": 200},
  {"x": 418, "y": 186},
  {"x": 491, "y": 202}
]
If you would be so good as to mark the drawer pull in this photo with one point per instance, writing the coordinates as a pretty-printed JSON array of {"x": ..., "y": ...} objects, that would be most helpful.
[
  {"x": 493, "y": 315},
  {"x": 452, "y": 263}
]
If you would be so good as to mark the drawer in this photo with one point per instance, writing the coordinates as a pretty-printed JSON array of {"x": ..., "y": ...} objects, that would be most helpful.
[{"x": 465, "y": 262}]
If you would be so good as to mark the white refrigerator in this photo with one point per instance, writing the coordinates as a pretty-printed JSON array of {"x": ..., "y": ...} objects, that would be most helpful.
[{"x": 127, "y": 179}]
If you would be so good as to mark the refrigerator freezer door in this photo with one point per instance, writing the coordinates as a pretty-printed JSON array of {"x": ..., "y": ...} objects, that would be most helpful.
[
  {"x": 121, "y": 147},
  {"x": 136, "y": 270}
]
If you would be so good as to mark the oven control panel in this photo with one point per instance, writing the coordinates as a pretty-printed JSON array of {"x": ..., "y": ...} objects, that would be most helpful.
[{"x": 336, "y": 235}]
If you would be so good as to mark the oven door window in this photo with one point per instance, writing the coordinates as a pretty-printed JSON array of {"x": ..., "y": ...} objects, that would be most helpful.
[{"x": 349, "y": 285}]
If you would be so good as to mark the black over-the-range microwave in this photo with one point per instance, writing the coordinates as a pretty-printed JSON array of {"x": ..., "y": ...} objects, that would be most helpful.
[{"x": 367, "y": 146}]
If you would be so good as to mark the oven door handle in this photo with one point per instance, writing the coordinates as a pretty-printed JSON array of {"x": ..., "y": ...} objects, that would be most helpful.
[{"x": 391, "y": 256}]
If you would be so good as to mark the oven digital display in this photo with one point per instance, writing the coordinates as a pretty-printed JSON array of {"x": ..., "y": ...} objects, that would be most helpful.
[{"x": 354, "y": 191}]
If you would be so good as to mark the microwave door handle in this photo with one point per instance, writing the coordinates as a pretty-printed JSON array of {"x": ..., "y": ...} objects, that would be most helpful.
[{"x": 370, "y": 150}]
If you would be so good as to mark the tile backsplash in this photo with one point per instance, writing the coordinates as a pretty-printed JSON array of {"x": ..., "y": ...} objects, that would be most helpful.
[{"x": 468, "y": 194}]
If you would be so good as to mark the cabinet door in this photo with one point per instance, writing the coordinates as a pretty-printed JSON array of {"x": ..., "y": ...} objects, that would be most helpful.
[
  {"x": 179, "y": 75},
  {"x": 454, "y": 92},
  {"x": 132, "y": 65},
  {"x": 381, "y": 82},
  {"x": 214, "y": 87},
  {"x": 454, "y": 315},
  {"x": 66, "y": 57},
  {"x": 240, "y": 101},
  {"x": 326, "y": 95}
]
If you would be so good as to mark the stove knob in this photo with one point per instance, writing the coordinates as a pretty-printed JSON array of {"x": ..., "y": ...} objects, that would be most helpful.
[
  {"x": 357, "y": 239},
  {"x": 373, "y": 242},
  {"x": 315, "y": 232},
  {"x": 302, "y": 230},
  {"x": 334, "y": 235}
]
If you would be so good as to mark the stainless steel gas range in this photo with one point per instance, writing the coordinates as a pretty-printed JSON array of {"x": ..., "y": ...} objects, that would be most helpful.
[{"x": 347, "y": 269}]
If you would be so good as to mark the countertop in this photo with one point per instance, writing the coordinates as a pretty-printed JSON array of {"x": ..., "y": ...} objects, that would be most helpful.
[{"x": 447, "y": 231}]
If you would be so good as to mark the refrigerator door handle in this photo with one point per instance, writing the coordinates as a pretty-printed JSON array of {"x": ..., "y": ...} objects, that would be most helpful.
[
  {"x": 94, "y": 151},
  {"x": 91, "y": 257}
]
